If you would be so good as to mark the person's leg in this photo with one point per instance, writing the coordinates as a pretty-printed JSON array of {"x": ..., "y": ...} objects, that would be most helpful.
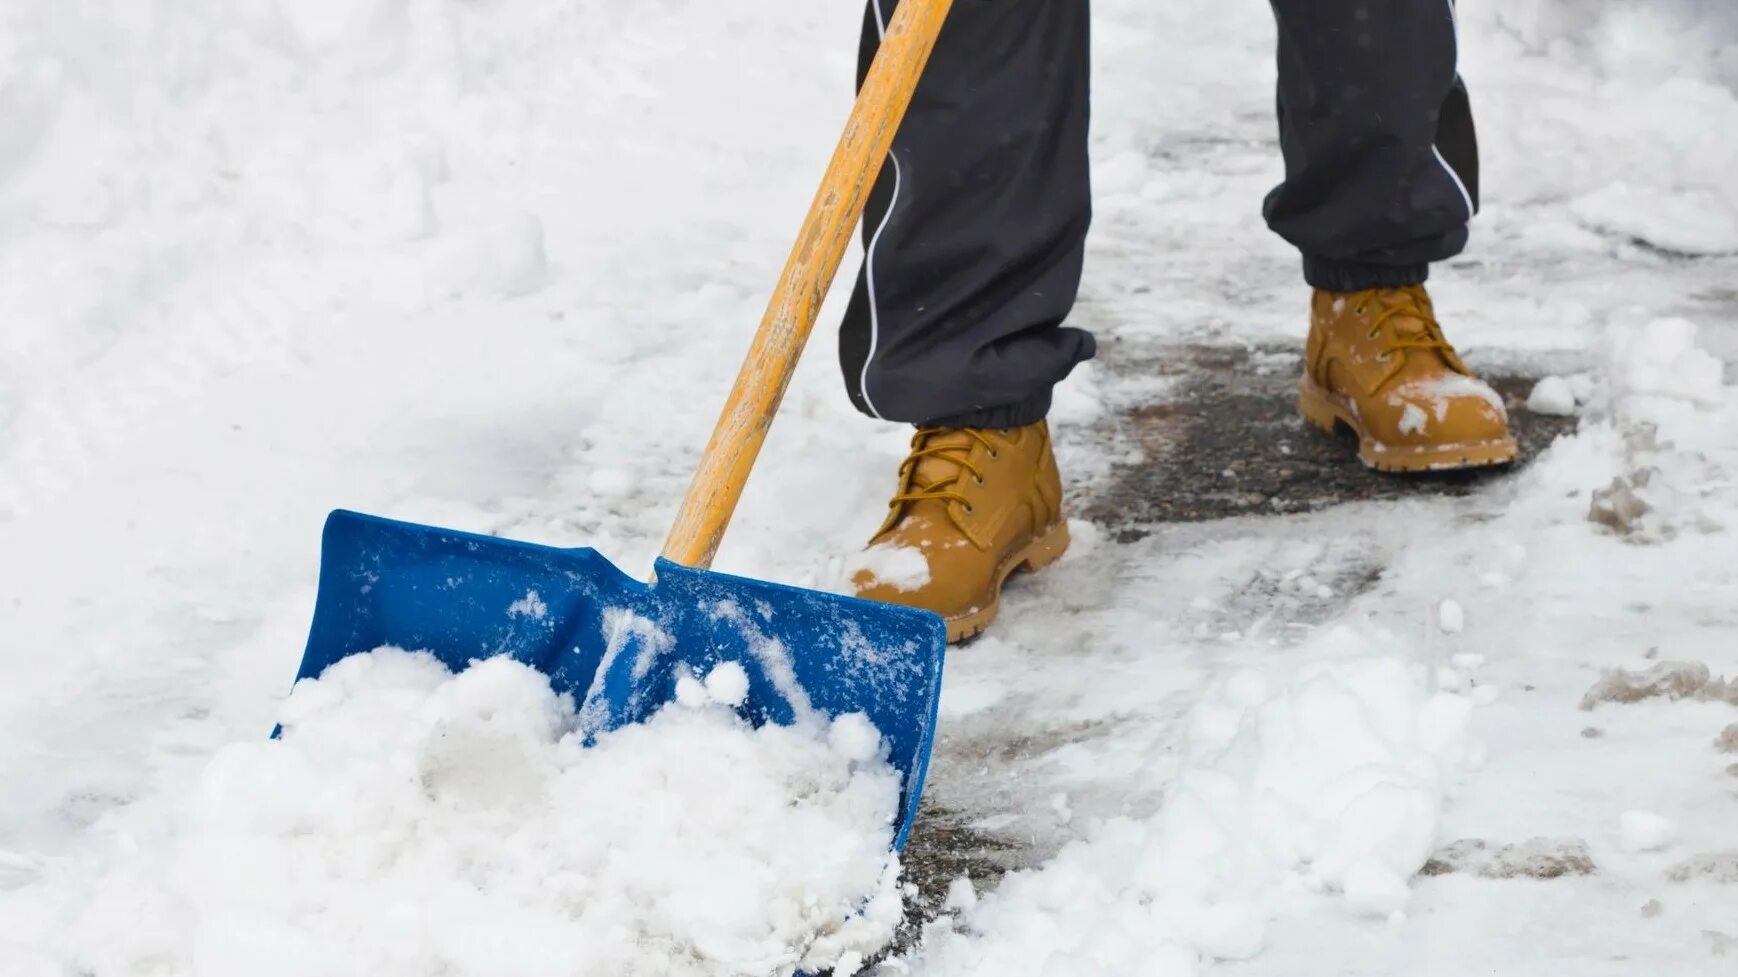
[
  {"x": 1381, "y": 163},
  {"x": 975, "y": 231},
  {"x": 974, "y": 238},
  {"x": 1381, "y": 178}
]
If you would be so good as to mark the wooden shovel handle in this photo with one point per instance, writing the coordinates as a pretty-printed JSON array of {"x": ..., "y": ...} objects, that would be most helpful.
[{"x": 796, "y": 302}]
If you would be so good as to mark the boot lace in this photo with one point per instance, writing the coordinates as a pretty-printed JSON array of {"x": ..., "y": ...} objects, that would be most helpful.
[
  {"x": 1411, "y": 303},
  {"x": 942, "y": 489}
]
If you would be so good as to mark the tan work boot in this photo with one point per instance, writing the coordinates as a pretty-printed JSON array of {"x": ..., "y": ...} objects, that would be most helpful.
[
  {"x": 973, "y": 506},
  {"x": 1377, "y": 362}
]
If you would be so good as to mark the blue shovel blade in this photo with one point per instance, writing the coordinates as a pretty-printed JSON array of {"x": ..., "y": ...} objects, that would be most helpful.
[{"x": 618, "y": 645}]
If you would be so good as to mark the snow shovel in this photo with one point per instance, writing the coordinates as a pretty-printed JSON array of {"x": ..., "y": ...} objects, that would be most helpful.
[{"x": 619, "y": 646}]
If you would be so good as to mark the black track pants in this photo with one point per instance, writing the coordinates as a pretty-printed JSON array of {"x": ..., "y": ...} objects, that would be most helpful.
[{"x": 975, "y": 232}]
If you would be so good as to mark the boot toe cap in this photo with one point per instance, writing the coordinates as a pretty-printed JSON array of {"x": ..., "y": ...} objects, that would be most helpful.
[{"x": 1442, "y": 411}]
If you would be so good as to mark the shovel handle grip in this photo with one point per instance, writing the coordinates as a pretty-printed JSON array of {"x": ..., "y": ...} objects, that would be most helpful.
[{"x": 808, "y": 275}]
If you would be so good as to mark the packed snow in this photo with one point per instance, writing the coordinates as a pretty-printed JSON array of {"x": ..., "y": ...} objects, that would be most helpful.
[
  {"x": 410, "y": 821},
  {"x": 488, "y": 266}
]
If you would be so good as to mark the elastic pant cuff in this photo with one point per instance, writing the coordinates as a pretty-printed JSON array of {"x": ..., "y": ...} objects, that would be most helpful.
[
  {"x": 1355, "y": 276},
  {"x": 1028, "y": 411}
]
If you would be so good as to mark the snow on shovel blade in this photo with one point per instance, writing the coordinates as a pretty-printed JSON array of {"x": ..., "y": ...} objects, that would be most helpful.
[{"x": 618, "y": 645}]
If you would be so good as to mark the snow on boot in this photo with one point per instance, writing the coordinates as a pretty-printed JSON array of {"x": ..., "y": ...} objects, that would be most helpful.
[
  {"x": 973, "y": 506},
  {"x": 1377, "y": 363}
]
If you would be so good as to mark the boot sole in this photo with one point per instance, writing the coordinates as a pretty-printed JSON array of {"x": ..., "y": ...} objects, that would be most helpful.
[
  {"x": 1044, "y": 549},
  {"x": 1330, "y": 412}
]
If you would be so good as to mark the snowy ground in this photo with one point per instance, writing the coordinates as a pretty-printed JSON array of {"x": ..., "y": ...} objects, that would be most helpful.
[{"x": 479, "y": 264}]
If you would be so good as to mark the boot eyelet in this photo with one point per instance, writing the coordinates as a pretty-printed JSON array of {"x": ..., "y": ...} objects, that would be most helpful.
[
  {"x": 970, "y": 509},
  {"x": 977, "y": 479},
  {"x": 995, "y": 455},
  {"x": 1372, "y": 334},
  {"x": 1360, "y": 310}
]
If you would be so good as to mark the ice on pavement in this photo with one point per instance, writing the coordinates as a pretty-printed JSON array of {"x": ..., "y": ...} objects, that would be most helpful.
[{"x": 412, "y": 822}]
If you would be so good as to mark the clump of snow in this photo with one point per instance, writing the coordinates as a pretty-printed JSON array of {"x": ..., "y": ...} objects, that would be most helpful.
[
  {"x": 691, "y": 692},
  {"x": 1450, "y": 617},
  {"x": 413, "y": 822},
  {"x": 1646, "y": 831},
  {"x": 1329, "y": 779},
  {"x": 1552, "y": 395},
  {"x": 853, "y": 737},
  {"x": 1413, "y": 420},
  {"x": 962, "y": 896},
  {"x": 904, "y": 568},
  {"x": 727, "y": 684}
]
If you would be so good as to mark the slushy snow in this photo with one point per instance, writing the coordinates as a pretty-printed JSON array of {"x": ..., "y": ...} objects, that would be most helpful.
[{"x": 413, "y": 822}]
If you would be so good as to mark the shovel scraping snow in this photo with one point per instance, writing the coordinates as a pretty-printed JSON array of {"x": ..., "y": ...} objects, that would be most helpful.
[{"x": 619, "y": 646}]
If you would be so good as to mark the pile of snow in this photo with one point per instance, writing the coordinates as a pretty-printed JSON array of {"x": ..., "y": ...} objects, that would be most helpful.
[
  {"x": 1659, "y": 359},
  {"x": 413, "y": 822},
  {"x": 1663, "y": 359},
  {"x": 1624, "y": 111},
  {"x": 1658, "y": 425},
  {"x": 1330, "y": 780}
]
